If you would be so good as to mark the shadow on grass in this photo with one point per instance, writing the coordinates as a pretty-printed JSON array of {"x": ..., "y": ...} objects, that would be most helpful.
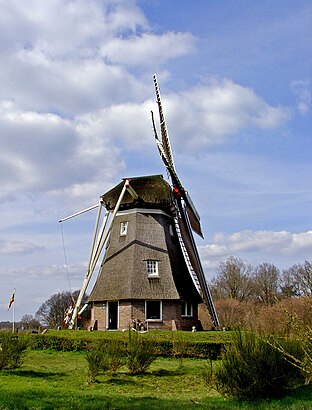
[
  {"x": 34, "y": 374},
  {"x": 157, "y": 373},
  {"x": 163, "y": 372},
  {"x": 302, "y": 393},
  {"x": 120, "y": 381},
  {"x": 128, "y": 379},
  {"x": 103, "y": 400},
  {"x": 48, "y": 401}
]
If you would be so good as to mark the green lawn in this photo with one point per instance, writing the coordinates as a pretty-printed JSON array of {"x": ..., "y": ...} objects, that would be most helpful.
[{"x": 57, "y": 380}]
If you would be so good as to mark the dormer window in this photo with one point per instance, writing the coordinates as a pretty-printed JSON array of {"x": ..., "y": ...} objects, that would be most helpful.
[
  {"x": 152, "y": 268},
  {"x": 123, "y": 228}
]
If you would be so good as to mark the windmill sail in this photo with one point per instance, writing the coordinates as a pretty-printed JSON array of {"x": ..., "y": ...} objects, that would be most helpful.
[
  {"x": 192, "y": 251},
  {"x": 189, "y": 217},
  {"x": 164, "y": 132},
  {"x": 165, "y": 151}
]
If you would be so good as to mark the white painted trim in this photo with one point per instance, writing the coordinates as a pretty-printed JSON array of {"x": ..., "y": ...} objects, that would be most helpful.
[
  {"x": 143, "y": 211},
  {"x": 107, "y": 311},
  {"x": 155, "y": 263},
  {"x": 161, "y": 311},
  {"x": 124, "y": 228},
  {"x": 187, "y": 304}
]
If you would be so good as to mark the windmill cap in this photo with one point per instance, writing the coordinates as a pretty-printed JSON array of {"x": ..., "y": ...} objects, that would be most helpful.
[{"x": 152, "y": 191}]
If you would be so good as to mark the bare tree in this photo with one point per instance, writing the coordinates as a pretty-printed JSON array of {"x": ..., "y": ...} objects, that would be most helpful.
[
  {"x": 297, "y": 280},
  {"x": 231, "y": 312},
  {"x": 233, "y": 280},
  {"x": 266, "y": 280},
  {"x": 52, "y": 312},
  {"x": 29, "y": 322},
  {"x": 304, "y": 278},
  {"x": 288, "y": 283}
]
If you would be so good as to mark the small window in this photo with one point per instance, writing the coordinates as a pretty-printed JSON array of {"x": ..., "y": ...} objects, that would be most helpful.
[
  {"x": 123, "y": 228},
  {"x": 187, "y": 309},
  {"x": 152, "y": 268},
  {"x": 171, "y": 230},
  {"x": 153, "y": 310}
]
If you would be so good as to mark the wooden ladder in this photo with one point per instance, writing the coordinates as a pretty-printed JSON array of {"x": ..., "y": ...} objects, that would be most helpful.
[{"x": 187, "y": 259}]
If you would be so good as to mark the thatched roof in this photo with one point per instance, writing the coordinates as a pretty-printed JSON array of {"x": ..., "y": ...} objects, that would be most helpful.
[
  {"x": 123, "y": 273},
  {"x": 153, "y": 191}
]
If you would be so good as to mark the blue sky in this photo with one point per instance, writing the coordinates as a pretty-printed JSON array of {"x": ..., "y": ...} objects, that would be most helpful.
[{"x": 76, "y": 93}]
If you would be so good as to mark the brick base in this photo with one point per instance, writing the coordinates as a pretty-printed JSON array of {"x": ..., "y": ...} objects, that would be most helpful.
[{"x": 133, "y": 311}]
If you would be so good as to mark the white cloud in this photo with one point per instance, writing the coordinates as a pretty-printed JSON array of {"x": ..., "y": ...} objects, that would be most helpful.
[
  {"x": 38, "y": 82},
  {"x": 35, "y": 150},
  {"x": 248, "y": 241},
  {"x": 148, "y": 49},
  {"x": 62, "y": 28},
  {"x": 54, "y": 271},
  {"x": 42, "y": 152},
  {"x": 45, "y": 152},
  {"x": 281, "y": 248},
  {"x": 207, "y": 114},
  {"x": 280, "y": 243},
  {"x": 69, "y": 107},
  {"x": 78, "y": 64},
  {"x": 45, "y": 65},
  {"x": 199, "y": 117},
  {"x": 301, "y": 241},
  {"x": 302, "y": 91},
  {"x": 129, "y": 124},
  {"x": 18, "y": 247}
]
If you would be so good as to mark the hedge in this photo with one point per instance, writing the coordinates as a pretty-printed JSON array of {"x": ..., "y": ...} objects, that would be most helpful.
[{"x": 165, "y": 348}]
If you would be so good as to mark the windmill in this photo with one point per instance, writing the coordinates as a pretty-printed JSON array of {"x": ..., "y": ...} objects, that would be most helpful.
[
  {"x": 151, "y": 274},
  {"x": 188, "y": 217}
]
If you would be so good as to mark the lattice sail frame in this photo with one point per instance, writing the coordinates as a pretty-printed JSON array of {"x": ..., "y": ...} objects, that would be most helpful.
[{"x": 188, "y": 219}]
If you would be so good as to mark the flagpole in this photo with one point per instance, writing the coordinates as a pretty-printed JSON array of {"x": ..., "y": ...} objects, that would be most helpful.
[{"x": 13, "y": 312}]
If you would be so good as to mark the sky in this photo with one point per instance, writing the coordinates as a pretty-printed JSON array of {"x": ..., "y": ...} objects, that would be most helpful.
[{"x": 76, "y": 91}]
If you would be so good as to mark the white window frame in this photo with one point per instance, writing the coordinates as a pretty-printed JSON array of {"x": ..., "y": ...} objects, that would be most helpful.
[
  {"x": 187, "y": 309},
  {"x": 124, "y": 228},
  {"x": 160, "y": 311},
  {"x": 152, "y": 268}
]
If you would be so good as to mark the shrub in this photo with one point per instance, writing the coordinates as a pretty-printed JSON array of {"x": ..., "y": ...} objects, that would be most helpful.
[
  {"x": 140, "y": 353},
  {"x": 12, "y": 349},
  {"x": 105, "y": 357},
  {"x": 94, "y": 358},
  {"x": 114, "y": 356},
  {"x": 251, "y": 368},
  {"x": 301, "y": 335}
]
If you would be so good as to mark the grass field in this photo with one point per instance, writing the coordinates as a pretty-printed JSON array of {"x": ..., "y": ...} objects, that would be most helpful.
[{"x": 58, "y": 380}]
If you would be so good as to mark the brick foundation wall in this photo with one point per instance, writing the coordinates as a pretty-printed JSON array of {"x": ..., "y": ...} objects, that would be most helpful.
[
  {"x": 135, "y": 310},
  {"x": 172, "y": 319},
  {"x": 125, "y": 314},
  {"x": 98, "y": 316}
]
